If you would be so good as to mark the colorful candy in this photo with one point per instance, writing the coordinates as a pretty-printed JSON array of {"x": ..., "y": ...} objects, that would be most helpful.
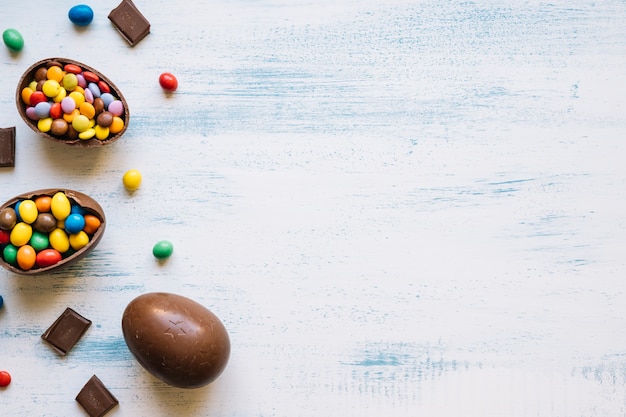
[
  {"x": 67, "y": 101},
  {"x": 168, "y": 81},
  {"x": 5, "y": 379},
  {"x": 132, "y": 179},
  {"x": 80, "y": 15},
  {"x": 163, "y": 249},
  {"x": 13, "y": 40},
  {"x": 41, "y": 231}
]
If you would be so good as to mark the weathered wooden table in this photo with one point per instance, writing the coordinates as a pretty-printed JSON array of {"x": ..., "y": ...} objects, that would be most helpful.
[{"x": 396, "y": 208}]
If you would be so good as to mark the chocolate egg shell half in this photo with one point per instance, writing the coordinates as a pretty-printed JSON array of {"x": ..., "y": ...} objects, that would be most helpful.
[
  {"x": 176, "y": 339},
  {"x": 88, "y": 205},
  {"x": 67, "y": 138}
]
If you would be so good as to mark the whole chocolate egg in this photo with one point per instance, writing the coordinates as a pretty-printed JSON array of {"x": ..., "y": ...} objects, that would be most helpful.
[{"x": 176, "y": 339}]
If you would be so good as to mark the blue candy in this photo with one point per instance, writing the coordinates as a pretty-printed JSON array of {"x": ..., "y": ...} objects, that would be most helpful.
[
  {"x": 74, "y": 223},
  {"x": 81, "y": 15}
]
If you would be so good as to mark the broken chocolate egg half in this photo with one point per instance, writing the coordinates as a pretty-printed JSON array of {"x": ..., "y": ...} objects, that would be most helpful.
[
  {"x": 176, "y": 339},
  {"x": 48, "y": 229},
  {"x": 71, "y": 103}
]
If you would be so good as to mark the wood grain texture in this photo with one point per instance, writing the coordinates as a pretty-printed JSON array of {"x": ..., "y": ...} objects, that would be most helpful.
[{"x": 396, "y": 208}]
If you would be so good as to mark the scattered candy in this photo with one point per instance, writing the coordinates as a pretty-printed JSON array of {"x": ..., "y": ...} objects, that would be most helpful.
[
  {"x": 132, "y": 179},
  {"x": 81, "y": 15},
  {"x": 13, "y": 40},
  {"x": 168, "y": 81},
  {"x": 5, "y": 378},
  {"x": 163, "y": 249}
]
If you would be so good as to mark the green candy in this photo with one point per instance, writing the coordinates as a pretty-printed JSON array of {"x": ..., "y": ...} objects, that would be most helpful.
[
  {"x": 163, "y": 249},
  {"x": 10, "y": 254},
  {"x": 13, "y": 40},
  {"x": 39, "y": 241}
]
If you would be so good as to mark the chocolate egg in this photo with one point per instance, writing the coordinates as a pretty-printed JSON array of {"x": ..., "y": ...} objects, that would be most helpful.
[
  {"x": 176, "y": 339},
  {"x": 47, "y": 223},
  {"x": 50, "y": 124}
]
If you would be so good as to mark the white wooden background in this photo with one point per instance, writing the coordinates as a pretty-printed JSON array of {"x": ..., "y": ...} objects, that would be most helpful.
[{"x": 397, "y": 208}]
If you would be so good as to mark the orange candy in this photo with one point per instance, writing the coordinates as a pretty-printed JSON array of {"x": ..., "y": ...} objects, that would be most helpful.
[
  {"x": 91, "y": 224},
  {"x": 26, "y": 257}
]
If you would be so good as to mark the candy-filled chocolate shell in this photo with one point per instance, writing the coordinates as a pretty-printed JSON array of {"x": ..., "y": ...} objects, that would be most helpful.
[
  {"x": 176, "y": 339},
  {"x": 60, "y": 130},
  {"x": 77, "y": 200}
]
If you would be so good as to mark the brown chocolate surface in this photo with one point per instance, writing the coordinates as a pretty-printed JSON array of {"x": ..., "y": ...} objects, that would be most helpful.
[
  {"x": 129, "y": 21},
  {"x": 66, "y": 331},
  {"x": 95, "y": 398},
  {"x": 7, "y": 146},
  {"x": 176, "y": 339}
]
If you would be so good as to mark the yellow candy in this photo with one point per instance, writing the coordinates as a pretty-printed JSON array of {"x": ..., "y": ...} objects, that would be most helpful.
[
  {"x": 87, "y": 134},
  {"x": 78, "y": 98},
  {"x": 51, "y": 88},
  {"x": 80, "y": 123},
  {"x": 33, "y": 85},
  {"x": 21, "y": 234},
  {"x": 60, "y": 206},
  {"x": 60, "y": 96},
  {"x": 45, "y": 124},
  {"x": 59, "y": 240},
  {"x": 117, "y": 125},
  {"x": 70, "y": 82},
  {"x": 55, "y": 73},
  {"x": 132, "y": 179},
  {"x": 101, "y": 132},
  {"x": 79, "y": 240},
  {"x": 28, "y": 211}
]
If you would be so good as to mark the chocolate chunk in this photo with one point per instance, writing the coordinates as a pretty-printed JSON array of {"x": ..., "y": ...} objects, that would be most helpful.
[
  {"x": 95, "y": 398},
  {"x": 130, "y": 22},
  {"x": 7, "y": 146},
  {"x": 66, "y": 331}
]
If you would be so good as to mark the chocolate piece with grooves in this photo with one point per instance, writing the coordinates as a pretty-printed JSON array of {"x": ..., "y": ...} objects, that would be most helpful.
[
  {"x": 7, "y": 146},
  {"x": 129, "y": 21},
  {"x": 95, "y": 398},
  {"x": 66, "y": 331}
]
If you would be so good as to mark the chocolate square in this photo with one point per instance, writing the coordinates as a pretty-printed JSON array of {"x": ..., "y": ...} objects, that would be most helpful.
[
  {"x": 7, "y": 146},
  {"x": 129, "y": 22},
  {"x": 66, "y": 331},
  {"x": 95, "y": 398}
]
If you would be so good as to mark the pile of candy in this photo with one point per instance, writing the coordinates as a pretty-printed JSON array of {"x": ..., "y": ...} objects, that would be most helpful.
[
  {"x": 40, "y": 232},
  {"x": 72, "y": 103}
]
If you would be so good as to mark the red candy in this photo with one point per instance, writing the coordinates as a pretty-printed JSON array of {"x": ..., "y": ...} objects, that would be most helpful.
[
  {"x": 56, "y": 112},
  {"x": 47, "y": 257},
  {"x": 74, "y": 69},
  {"x": 37, "y": 97},
  {"x": 90, "y": 77},
  {"x": 5, "y": 378},
  {"x": 5, "y": 237},
  {"x": 168, "y": 81},
  {"x": 104, "y": 87}
]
